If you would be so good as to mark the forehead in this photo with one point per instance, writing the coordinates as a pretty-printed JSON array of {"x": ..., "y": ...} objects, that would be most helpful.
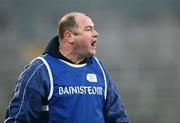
[{"x": 83, "y": 21}]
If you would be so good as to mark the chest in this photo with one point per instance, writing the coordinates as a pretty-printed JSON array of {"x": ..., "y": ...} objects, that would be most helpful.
[{"x": 71, "y": 80}]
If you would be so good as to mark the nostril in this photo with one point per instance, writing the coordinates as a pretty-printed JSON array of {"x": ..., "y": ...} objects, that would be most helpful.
[{"x": 96, "y": 34}]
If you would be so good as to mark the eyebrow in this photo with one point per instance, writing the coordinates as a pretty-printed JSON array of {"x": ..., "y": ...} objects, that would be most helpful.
[{"x": 89, "y": 26}]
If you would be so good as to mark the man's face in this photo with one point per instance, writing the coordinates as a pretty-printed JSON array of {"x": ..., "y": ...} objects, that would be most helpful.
[{"x": 85, "y": 40}]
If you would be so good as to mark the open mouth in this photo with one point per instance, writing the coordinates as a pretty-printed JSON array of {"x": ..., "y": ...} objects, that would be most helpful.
[{"x": 93, "y": 43}]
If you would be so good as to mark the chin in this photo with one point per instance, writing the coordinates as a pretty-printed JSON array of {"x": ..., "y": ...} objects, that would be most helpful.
[
  {"x": 88, "y": 53},
  {"x": 92, "y": 53}
]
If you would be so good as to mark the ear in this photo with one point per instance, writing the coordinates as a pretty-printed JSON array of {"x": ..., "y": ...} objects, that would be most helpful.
[{"x": 68, "y": 36}]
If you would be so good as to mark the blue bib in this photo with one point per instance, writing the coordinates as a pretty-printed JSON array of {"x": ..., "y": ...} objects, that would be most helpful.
[{"x": 77, "y": 92}]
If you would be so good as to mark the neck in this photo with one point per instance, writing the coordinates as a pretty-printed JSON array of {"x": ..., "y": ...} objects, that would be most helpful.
[
  {"x": 75, "y": 59},
  {"x": 70, "y": 54}
]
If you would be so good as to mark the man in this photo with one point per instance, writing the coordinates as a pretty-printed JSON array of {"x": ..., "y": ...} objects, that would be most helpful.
[{"x": 67, "y": 84}]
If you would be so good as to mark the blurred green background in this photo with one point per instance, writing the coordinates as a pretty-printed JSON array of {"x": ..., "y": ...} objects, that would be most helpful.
[{"x": 138, "y": 43}]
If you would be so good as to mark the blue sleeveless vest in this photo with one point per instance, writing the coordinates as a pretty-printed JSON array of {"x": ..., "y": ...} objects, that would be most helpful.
[{"x": 77, "y": 92}]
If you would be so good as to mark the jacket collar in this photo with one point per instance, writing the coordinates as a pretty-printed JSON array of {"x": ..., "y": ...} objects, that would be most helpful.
[{"x": 53, "y": 50}]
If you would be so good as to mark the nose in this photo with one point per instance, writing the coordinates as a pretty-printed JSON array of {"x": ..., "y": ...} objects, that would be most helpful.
[{"x": 95, "y": 33}]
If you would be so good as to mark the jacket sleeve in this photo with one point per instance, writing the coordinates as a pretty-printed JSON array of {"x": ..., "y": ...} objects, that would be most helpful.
[
  {"x": 31, "y": 88},
  {"x": 114, "y": 109}
]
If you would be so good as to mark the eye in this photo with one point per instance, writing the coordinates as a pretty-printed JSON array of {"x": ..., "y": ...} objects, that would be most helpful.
[{"x": 89, "y": 29}]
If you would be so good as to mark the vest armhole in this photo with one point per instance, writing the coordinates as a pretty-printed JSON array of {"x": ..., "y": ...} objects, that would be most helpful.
[
  {"x": 50, "y": 76},
  {"x": 105, "y": 80}
]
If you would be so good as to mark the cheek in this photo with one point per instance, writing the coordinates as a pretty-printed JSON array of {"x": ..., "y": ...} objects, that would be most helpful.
[
  {"x": 81, "y": 45},
  {"x": 85, "y": 42}
]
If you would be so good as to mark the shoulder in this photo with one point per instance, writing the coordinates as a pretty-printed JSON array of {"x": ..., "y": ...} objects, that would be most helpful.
[
  {"x": 35, "y": 76},
  {"x": 35, "y": 66},
  {"x": 99, "y": 62},
  {"x": 36, "y": 62},
  {"x": 95, "y": 58}
]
